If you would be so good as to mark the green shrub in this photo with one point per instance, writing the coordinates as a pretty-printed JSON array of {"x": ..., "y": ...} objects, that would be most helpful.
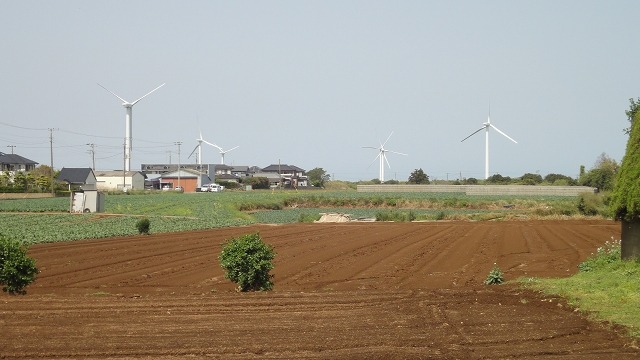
[
  {"x": 590, "y": 204},
  {"x": 609, "y": 253},
  {"x": 143, "y": 226},
  {"x": 308, "y": 217},
  {"x": 393, "y": 215},
  {"x": 247, "y": 261},
  {"x": 495, "y": 276},
  {"x": 17, "y": 270}
]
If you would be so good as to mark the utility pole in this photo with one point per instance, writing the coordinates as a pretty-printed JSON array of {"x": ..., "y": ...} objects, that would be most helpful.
[
  {"x": 11, "y": 146},
  {"x": 93, "y": 156},
  {"x": 53, "y": 192},
  {"x": 169, "y": 152},
  {"x": 178, "y": 143}
]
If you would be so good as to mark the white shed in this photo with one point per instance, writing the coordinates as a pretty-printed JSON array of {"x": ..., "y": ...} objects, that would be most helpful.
[{"x": 118, "y": 180}]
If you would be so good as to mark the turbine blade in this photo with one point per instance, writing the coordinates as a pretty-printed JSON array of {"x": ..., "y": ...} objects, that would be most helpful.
[
  {"x": 370, "y": 147},
  {"x": 194, "y": 150},
  {"x": 395, "y": 152},
  {"x": 473, "y": 133},
  {"x": 385, "y": 142},
  {"x": 374, "y": 160},
  {"x": 232, "y": 149},
  {"x": 147, "y": 94},
  {"x": 505, "y": 135},
  {"x": 214, "y": 145},
  {"x": 385, "y": 159},
  {"x": 114, "y": 94}
]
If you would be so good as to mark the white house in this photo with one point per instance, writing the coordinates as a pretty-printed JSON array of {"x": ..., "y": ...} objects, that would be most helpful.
[{"x": 117, "y": 179}]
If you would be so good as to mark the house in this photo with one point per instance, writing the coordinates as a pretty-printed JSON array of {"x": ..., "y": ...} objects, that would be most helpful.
[
  {"x": 14, "y": 162},
  {"x": 241, "y": 171},
  {"x": 160, "y": 169},
  {"x": 274, "y": 178},
  {"x": 224, "y": 173},
  {"x": 189, "y": 180},
  {"x": 78, "y": 178},
  {"x": 119, "y": 179},
  {"x": 292, "y": 176}
]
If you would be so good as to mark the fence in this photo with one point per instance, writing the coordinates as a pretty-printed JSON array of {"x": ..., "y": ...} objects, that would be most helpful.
[{"x": 483, "y": 189}]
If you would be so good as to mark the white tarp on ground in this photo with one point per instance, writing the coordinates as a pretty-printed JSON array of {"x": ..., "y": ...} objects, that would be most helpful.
[{"x": 334, "y": 217}]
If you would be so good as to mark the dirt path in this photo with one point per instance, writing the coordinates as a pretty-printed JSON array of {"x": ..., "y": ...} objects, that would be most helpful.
[{"x": 347, "y": 291}]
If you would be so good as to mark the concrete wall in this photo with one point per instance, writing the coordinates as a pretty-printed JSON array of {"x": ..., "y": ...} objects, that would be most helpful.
[{"x": 482, "y": 189}]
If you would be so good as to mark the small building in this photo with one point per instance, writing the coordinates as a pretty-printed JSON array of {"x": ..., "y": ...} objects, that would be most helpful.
[
  {"x": 189, "y": 180},
  {"x": 84, "y": 196},
  {"x": 14, "y": 162},
  {"x": 119, "y": 180},
  {"x": 78, "y": 178}
]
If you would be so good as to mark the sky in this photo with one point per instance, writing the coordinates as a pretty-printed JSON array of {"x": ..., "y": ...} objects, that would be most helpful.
[{"x": 312, "y": 83}]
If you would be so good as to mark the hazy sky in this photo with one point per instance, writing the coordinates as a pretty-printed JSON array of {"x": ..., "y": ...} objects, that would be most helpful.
[{"x": 309, "y": 83}]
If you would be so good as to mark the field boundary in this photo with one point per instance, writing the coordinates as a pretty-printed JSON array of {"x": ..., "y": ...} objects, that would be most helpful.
[
  {"x": 483, "y": 189},
  {"x": 7, "y": 196}
]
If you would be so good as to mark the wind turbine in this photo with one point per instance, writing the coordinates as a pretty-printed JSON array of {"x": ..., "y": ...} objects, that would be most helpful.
[
  {"x": 198, "y": 147},
  {"x": 382, "y": 157},
  {"x": 486, "y": 127},
  {"x": 222, "y": 152},
  {"x": 127, "y": 137}
]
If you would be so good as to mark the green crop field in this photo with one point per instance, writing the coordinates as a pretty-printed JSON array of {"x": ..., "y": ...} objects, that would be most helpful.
[{"x": 48, "y": 220}]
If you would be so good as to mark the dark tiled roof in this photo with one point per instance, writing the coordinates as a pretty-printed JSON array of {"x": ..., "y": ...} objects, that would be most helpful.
[
  {"x": 15, "y": 159},
  {"x": 74, "y": 175},
  {"x": 281, "y": 167}
]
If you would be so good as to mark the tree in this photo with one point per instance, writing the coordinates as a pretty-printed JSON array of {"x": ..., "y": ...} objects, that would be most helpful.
[
  {"x": 247, "y": 261},
  {"x": 559, "y": 179},
  {"x": 317, "y": 177},
  {"x": 498, "y": 179},
  {"x": 634, "y": 106},
  {"x": 418, "y": 176},
  {"x": 625, "y": 199},
  {"x": 17, "y": 270},
  {"x": 602, "y": 175},
  {"x": 258, "y": 182},
  {"x": 531, "y": 179}
]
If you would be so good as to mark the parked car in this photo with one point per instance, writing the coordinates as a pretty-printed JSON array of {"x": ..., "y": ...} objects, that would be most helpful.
[
  {"x": 211, "y": 188},
  {"x": 166, "y": 187},
  {"x": 179, "y": 188}
]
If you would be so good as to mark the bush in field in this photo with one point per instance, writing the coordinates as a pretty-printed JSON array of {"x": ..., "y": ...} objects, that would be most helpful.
[
  {"x": 399, "y": 216},
  {"x": 594, "y": 204},
  {"x": 143, "y": 226},
  {"x": 308, "y": 218},
  {"x": 258, "y": 182},
  {"x": 17, "y": 270},
  {"x": 247, "y": 261},
  {"x": 495, "y": 276},
  {"x": 606, "y": 254}
]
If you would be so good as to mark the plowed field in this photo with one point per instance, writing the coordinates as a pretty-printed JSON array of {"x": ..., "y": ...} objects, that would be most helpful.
[{"x": 342, "y": 291}]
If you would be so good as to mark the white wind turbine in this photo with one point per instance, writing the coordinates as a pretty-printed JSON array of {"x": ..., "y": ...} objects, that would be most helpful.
[
  {"x": 382, "y": 157},
  {"x": 198, "y": 147},
  {"x": 222, "y": 152},
  {"x": 127, "y": 137},
  {"x": 486, "y": 127}
]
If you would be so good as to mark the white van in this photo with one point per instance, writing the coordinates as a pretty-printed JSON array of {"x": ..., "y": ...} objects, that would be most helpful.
[{"x": 211, "y": 188}]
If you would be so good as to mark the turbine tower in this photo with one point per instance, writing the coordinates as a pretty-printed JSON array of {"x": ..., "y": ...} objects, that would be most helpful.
[
  {"x": 382, "y": 157},
  {"x": 198, "y": 147},
  {"x": 486, "y": 127},
  {"x": 127, "y": 137}
]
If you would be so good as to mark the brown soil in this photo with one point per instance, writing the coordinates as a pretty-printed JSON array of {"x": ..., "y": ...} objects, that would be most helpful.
[{"x": 342, "y": 291}]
